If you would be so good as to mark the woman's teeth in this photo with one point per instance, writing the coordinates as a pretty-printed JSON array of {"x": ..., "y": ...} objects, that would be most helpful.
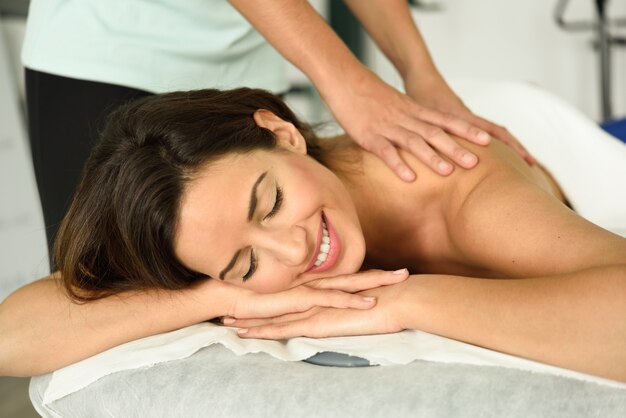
[{"x": 324, "y": 246}]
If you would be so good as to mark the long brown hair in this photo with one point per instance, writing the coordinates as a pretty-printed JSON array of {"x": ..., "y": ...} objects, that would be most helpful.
[{"x": 119, "y": 232}]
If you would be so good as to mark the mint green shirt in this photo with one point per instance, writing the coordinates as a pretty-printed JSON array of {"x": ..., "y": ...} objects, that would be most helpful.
[{"x": 152, "y": 45}]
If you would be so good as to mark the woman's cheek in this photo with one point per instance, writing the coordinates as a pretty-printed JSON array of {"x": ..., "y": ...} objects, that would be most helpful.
[{"x": 269, "y": 284}]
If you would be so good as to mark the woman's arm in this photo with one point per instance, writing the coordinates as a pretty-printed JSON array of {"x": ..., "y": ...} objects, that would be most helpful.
[
  {"x": 43, "y": 330},
  {"x": 573, "y": 320}
]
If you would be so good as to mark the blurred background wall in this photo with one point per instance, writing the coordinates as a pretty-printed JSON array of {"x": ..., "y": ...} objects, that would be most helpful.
[{"x": 23, "y": 253}]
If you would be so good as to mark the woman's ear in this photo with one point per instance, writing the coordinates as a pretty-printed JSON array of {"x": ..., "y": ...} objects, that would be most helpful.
[{"x": 287, "y": 136}]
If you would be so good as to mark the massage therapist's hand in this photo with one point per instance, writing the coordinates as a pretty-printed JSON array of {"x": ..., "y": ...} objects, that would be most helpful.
[
  {"x": 432, "y": 92},
  {"x": 319, "y": 322},
  {"x": 382, "y": 119},
  {"x": 334, "y": 292}
]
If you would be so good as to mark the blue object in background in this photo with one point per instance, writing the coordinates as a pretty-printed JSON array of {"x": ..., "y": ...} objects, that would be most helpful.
[{"x": 617, "y": 128}]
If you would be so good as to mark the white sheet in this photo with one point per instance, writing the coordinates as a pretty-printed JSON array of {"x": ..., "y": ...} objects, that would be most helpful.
[{"x": 399, "y": 348}]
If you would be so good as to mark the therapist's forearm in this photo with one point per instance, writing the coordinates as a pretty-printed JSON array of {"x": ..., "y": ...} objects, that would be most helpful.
[
  {"x": 574, "y": 320},
  {"x": 390, "y": 24},
  {"x": 304, "y": 38},
  {"x": 42, "y": 330}
]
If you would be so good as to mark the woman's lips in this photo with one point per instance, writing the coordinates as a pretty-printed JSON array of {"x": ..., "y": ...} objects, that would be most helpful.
[{"x": 333, "y": 253}]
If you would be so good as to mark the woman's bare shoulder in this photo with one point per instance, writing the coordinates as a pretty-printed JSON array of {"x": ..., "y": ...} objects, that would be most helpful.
[
  {"x": 509, "y": 224},
  {"x": 497, "y": 216},
  {"x": 503, "y": 216}
]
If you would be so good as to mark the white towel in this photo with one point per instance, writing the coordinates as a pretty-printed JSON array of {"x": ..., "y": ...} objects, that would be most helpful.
[{"x": 398, "y": 348}]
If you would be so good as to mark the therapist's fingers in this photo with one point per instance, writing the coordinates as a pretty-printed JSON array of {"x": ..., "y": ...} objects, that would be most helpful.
[
  {"x": 430, "y": 143},
  {"x": 382, "y": 120},
  {"x": 503, "y": 134},
  {"x": 509, "y": 139},
  {"x": 453, "y": 124},
  {"x": 357, "y": 282},
  {"x": 417, "y": 145},
  {"x": 424, "y": 141},
  {"x": 387, "y": 152}
]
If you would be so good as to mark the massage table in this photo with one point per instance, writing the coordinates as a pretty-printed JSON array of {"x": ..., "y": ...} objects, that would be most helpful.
[{"x": 215, "y": 382}]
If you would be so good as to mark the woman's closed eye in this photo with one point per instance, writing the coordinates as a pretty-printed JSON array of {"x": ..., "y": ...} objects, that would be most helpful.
[
  {"x": 278, "y": 201},
  {"x": 253, "y": 264}
]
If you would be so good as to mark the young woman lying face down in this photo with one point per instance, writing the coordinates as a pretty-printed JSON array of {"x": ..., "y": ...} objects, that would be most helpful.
[{"x": 230, "y": 185}]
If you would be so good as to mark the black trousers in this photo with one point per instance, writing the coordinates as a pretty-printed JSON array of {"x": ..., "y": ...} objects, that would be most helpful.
[{"x": 64, "y": 118}]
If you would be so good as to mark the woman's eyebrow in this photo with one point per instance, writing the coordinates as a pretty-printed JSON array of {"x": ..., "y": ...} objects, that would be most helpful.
[
  {"x": 251, "y": 209},
  {"x": 253, "y": 199}
]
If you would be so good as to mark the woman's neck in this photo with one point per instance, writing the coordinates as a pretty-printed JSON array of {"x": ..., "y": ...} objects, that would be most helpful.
[{"x": 390, "y": 211}]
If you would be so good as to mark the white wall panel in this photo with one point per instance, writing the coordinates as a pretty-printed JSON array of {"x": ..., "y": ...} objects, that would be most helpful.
[
  {"x": 518, "y": 40},
  {"x": 23, "y": 251}
]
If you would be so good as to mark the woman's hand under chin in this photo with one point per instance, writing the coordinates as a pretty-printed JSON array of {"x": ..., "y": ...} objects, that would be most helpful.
[
  {"x": 322, "y": 321},
  {"x": 338, "y": 292}
]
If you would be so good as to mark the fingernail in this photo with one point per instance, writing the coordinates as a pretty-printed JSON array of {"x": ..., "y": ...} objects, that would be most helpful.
[
  {"x": 369, "y": 299},
  {"x": 407, "y": 174},
  {"x": 483, "y": 136},
  {"x": 241, "y": 331},
  {"x": 228, "y": 321},
  {"x": 400, "y": 272},
  {"x": 469, "y": 159},
  {"x": 444, "y": 166}
]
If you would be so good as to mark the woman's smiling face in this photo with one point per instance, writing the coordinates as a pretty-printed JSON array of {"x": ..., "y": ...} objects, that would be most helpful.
[{"x": 269, "y": 220}]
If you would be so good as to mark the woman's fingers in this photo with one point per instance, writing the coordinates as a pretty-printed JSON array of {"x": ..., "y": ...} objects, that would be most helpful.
[
  {"x": 298, "y": 299},
  {"x": 360, "y": 281},
  {"x": 325, "y": 323},
  {"x": 283, "y": 331},
  {"x": 257, "y": 322}
]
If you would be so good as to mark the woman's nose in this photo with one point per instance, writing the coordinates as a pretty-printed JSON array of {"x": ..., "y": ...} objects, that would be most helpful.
[{"x": 288, "y": 245}]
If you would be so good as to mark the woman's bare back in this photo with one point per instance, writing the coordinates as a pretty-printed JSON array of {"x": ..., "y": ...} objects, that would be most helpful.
[{"x": 439, "y": 225}]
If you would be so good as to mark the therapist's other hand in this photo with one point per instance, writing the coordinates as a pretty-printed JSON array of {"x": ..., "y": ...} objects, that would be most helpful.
[
  {"x": 333, "y": 292},
  {"x": 382, "y": 119},
  {"x": 431, "y": 91}
]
